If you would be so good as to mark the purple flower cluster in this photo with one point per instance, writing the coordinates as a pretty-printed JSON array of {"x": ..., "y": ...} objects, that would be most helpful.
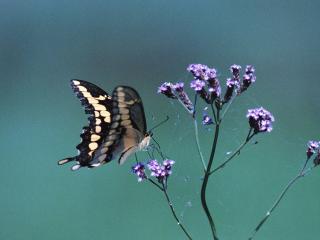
[
  {"x": 176, "y": 91},
  {"x": 205, "y": 76},
  {"x": 161, "y": 171},
  {"x": 234, "y": 83},
  {"x": 139, "y": 170},
  {"x": 206, "y": 120},
  {"x": 202, "y": 72},
  {"x": 166, "y": 89},
  {"x": 206, "y": 84},
  {"x": 260, "y": 119},
  {"x": 313, "y": 147},
  {"x": 248, "y": 78}
]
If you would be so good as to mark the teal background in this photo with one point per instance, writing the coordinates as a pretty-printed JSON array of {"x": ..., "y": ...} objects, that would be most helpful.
[{"x": 44, "y": 44}]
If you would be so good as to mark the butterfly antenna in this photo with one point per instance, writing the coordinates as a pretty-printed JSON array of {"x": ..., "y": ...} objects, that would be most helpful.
[{"x": 159, "y": 124}]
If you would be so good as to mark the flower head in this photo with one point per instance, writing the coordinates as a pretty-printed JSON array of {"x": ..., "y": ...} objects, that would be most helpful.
[
  {"x": 166, "y": 89},
  {"x": 139, "y": 170},
  {"x": 202, "y": 72},
  {"x": 248, "y": 78},
  {"x": 215, "y": 90},
  {"x": 313, "y": 146},
  {"x": 178, "y": 86},
  {"x": 198, "y": 70},
  {"x": 168, "y": 163},
  {"x": 235, "y": 70},
  {"x": 160, "y": 171},
  {"x": 260, "y": 119},
  {"x": 197, "y": 85},
  {"x": 206, "y": 120},
  {"x": 250, "y": 69}
]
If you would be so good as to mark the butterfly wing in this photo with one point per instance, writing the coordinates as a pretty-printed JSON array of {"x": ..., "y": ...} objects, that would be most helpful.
[
  {"x": 128, "y": 128},
  {"x": 98, "y": 105}
]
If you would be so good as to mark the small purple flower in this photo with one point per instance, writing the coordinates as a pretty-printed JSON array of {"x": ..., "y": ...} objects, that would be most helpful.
[
  {"x": 206, "y": 120},
  {"x": 166, "y": 89},
  {"x": 211, "y": 73},
  {"x": 198, "y": 71},
  {"x": 260, "y": 119},
  {"x": 139, "y": 170},
  {"x": 168, "y": 163},
  {"x": 313, "y": 146},
  {"x": 250, "y": 69},
  {"x": 182, "y": 96},
  {"x": 235, "y": 70},
  {"x": 202, "y": 72},
  {"x": 215, "y": 90},
  {"x": 197, "y": 85},
  {"x": 160, "y": 171},
  {"x": 178, "y": 86},
  {"x": 248, "y": 78}
]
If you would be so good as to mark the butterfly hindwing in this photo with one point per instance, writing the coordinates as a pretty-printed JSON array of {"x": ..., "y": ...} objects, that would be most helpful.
[{"x": 128, "y": 126}]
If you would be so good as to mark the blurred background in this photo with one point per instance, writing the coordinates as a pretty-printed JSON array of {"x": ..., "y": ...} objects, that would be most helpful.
[{"x": 44, "y": 44}]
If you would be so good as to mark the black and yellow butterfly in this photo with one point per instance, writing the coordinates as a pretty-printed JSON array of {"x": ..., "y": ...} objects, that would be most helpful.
[{"x": 117, "y": 125}]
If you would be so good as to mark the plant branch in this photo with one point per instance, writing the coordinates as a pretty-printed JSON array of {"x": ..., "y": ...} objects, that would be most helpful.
[
  {"x": 207, "y": 175},
  {"x": 248, "y": 138},
  {"x": 174, "y": 213},
  {"x": 196, "y": 133},
  {"x": 301, "y": 174}
]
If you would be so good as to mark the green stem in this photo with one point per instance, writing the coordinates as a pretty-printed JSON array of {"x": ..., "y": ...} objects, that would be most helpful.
[
  {"x": 248, "y": 138},
  {"x": 196, "y": 133},
  {"x": 227, "y": 108},
  {"x": 207, "y": 175},
  {"x": 174, "y": 213},
  {"x": 301, "y": 174}
]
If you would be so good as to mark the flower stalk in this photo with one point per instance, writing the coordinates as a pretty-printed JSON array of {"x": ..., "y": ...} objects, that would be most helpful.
[
  {"x": 301, "y": 174},
  {"x": 237, "y": 152},
  {"x": 206, "y": 178}
]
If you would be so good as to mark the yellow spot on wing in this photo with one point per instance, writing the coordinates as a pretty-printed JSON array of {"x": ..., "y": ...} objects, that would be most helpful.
[
  {"x": 99, "y": 107},
  {"x": 124, "y": 111},
  {"x": 98, "y": 129},
  {"x": 125, "y": 117},
  {"x": 93, "y": 146},
  {"x": 107, "y": 144},
  {"x": 125, "y": 122},
  {"x": 95, "y": 137},
  {"x": 107, "y": 119},
  {"x": 82, "y": 88},
  {"x": 92, "y": 100},
  {"x": 105, "y": 113},
  {"x": 101, "y": 97},
  {"x": 86, "y": 94}
]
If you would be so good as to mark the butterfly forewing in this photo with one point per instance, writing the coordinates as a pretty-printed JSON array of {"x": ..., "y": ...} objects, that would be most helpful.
[{"x": 98, "y": 104}]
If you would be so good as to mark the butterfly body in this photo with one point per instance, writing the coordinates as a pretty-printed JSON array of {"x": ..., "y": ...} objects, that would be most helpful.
[{"x": 117, "y": 125}]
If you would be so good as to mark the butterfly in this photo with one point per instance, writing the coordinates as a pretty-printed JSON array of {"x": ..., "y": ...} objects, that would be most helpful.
[{"x": 117, "y": 125}]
